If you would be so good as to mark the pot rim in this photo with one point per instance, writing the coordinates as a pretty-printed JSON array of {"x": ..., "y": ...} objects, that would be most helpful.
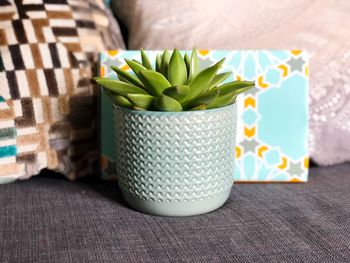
[{"x": 168, "y": 113}]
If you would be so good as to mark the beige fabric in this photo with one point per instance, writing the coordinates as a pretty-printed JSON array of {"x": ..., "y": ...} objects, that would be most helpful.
[{"x": 321, "y": 27}]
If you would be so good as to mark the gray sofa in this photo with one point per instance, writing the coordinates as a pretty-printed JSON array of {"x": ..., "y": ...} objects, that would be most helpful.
[{"x": 50, "y": 219}]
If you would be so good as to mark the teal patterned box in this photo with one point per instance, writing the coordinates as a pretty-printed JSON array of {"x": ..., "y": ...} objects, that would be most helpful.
[{"x": 272, "y": 139}]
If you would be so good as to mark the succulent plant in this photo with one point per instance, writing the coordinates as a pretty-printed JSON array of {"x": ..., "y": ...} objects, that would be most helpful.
[{"x": 174, "y": 84}]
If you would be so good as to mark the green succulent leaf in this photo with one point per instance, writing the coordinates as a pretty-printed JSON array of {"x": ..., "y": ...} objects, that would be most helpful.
[
  {"x": 223, "y": 100},
  {"x": 135, "y": 66},
  {"x": 158, "y": 62},
  {"x": 119, "y": 87},
  {"x": 188, "y": 66},
  {"x": 243, "y": 89},
  {"x": 145, "y": 61},
  {"x": 165, "y": 63},
  {"x": 177, "y": 92},
  {"x": 127, "y": 76},
  {"x": 206, "y": 98},
  {"x": 218, "y": 79},
  {"x": 194, "y": 66},
  {"x": 123, "y": 79},
  {"x": 199, "y": 107},
  {"x": 201, "y": 82},
  {"x": 117, "y": 99},
  {"x": 154, "y": 82},
  {"x": 237, "y": 86},
  {"x": 121, "y": 101},
  {"x": 177, "y": 72},
  {"x": 141, "y": 100},
  {"x": 166, "y": 103},
  {"x": 174, "y": 83},
  {"x": 138, "y": 62},
  {"x": 138, "y": 108}
]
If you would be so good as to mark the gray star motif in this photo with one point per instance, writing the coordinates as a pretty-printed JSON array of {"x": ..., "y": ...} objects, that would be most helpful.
[
  {"x": 295, "y": 169},
  {"x": 253, "y": 91},
  {"x": 249, "y": 145},
  {"x": 114, "y": 62},
  {"x": 204, "y": 62},
  {"x": 296, "y": 64}
]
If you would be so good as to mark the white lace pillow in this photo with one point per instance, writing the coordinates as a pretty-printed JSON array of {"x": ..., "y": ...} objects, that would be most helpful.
[{"x": 320, "y": 27}]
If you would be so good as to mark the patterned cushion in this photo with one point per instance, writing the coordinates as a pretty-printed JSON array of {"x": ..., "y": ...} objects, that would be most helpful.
[{"x": 47, "y": 101}]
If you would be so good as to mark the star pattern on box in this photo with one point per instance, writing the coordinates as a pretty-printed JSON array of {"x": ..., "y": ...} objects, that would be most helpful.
[{"x": 270, "y": 145}]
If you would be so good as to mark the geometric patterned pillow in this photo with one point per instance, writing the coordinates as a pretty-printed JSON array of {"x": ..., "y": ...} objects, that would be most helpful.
[{"x": 48, "y": 105}]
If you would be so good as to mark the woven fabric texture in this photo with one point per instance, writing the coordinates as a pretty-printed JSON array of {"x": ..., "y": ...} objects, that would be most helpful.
[
  {"x": 49, "y": 219},
  {"x": 48, "y": 107}
]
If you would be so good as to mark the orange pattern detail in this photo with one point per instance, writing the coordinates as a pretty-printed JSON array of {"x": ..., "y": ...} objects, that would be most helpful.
[
  {"x": 238, "y": 152},
  {"x": 306, "y": 162},
  {"x": 203, "y": 52},
  {"x": 113, "y": 52},
  {"x": 250, "y": 101},
  {"x": 283, "y": 165},
  {"x": 295, "y": 180},
  {"x": 295, "y": 52},
  {"x": 125, "y": 67},
  {"x": 284, "y": 70},
  {"x": 261, "y": 83},
  {"x": 261, "y": 150},
  {"x": 102, "y": 71},
  {"x": 249, "y": 132}
]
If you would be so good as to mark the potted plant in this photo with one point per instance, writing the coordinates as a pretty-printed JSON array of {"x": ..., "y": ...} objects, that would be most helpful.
[{"x": 175, "y": 129}]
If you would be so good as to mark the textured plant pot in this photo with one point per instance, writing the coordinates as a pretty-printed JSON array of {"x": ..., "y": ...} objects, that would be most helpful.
[{"x": 175, "y": 163}]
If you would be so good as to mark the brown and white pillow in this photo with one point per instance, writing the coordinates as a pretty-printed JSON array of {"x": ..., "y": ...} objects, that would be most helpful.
[{"x": 48, "y": 104}]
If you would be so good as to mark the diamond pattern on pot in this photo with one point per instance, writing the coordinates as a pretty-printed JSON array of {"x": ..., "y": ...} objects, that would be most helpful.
[{"x": 179, "y": 157}]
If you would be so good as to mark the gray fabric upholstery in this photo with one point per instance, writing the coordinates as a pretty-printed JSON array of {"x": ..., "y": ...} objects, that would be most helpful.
[{"x": 49, "y": 219}]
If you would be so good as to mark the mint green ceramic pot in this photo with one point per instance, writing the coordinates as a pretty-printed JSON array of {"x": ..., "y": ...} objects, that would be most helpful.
[{"x": 175, "y": 163}]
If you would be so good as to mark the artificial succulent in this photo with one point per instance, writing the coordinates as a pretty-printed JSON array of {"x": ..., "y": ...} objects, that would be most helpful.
[{"x": 173, "y": 84}]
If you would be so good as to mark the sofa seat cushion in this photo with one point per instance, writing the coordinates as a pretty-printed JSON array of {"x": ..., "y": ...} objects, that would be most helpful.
[{"x": 49, "y": 219}]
